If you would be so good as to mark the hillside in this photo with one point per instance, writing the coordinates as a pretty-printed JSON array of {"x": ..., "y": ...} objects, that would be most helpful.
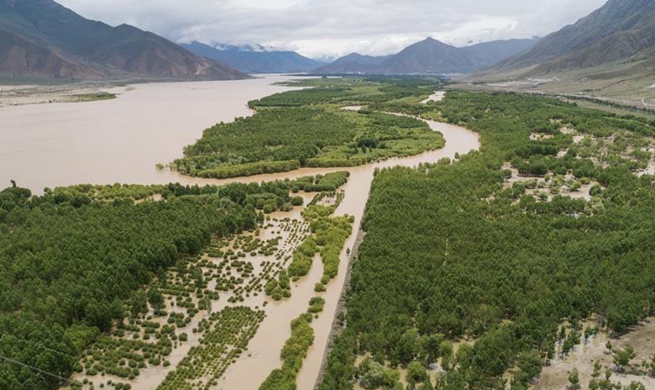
[
  {"x": 352, "y": 63},
  {"x": 40, "y": 38},
  {"x": 604, "y": 55},
  {"x": 429, "y": 56},
  {"x": 255, "y": 60},
  {"x": 486, "y": 54},
  {"x": 20, "y": 57},
  {"x": 618, "y": 31}
]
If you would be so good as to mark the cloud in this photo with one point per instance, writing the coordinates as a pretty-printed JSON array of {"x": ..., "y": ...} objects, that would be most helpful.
[{"x": 337, "y": 27}]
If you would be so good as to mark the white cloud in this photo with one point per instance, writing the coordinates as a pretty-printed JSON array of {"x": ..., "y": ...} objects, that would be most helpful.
[{"x": 338, "y": 27}]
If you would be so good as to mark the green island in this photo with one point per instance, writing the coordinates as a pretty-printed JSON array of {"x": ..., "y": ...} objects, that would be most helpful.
[
  {"x": 310, "y": 128},
  {"x": 92, "y": 97},
  {"x": 477, "y": 274}
]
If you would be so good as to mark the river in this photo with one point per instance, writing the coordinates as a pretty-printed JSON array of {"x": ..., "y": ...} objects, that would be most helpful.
[{"x": 122, "y": 140}]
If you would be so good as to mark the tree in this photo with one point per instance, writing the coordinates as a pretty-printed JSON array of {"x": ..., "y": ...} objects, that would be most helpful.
[
  {"x": 635, "y": 386},
  {"x": 446, "y": 351},
  {"x": 622, "y": 357},
  {"x": 371, "y": 374},
  {"x": 391, "y": 377},
  {"x": 161, "y": 277},
  {"x": 416, "y": 372},
  {"x": 597, "y": 368},
  {"x": 574, "y": 378},
  {"x": 138, "y": 303},
  {"x": 155, "y": 298},
  {"x": 407, "y": 347},
  {"x": 427, "y": 385},
  {"x": 430, "y": 349}
]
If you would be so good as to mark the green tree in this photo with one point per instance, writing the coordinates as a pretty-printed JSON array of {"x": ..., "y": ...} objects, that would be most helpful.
[
  {"x": 622, "y": 357},
  {"x": 416, "y": 372},
  {"x": 155, "y": 298},
  {"x": 407, "y": 347},
  {"x": 574, "y": 378}
]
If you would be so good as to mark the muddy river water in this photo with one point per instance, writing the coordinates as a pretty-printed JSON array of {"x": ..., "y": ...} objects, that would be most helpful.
[{"x": 122, "y": 140}]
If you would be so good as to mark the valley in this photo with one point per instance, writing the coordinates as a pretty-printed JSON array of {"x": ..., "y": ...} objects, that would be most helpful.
[
  {"x": 465, "y": 202},
  {"x": 273, "y": 249}
]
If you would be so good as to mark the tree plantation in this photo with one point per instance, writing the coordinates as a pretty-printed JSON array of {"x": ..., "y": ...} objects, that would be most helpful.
[
  {"x": 89, "y": 273},
  {"x": 483, "y": 270}
]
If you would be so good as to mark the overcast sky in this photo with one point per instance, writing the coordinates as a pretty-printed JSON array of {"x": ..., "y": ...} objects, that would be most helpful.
[{"x": 336, "y": 27}]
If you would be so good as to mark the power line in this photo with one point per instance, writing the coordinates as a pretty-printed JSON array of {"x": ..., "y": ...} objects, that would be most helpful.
[
  {"x": 42, "y": 346},
  {"x": 10, "y": 360}
]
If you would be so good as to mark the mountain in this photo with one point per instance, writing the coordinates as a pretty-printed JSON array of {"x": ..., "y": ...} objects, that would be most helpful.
[
  {"x": 351, "y": 63},
  {"x": 429, "y": 56},
  {"x": 490, "y": 53},
  {"x": 40, "y": 38},
  {"x": 255, "y": 59},
  {"x": 620, "y": 31}
]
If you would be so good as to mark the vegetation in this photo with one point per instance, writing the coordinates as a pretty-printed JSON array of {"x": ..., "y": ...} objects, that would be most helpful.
[
  {"x": 469, "y": 251},
  {"x": 226, "y": 337},
  {"x": 280, "y": 188},
  {"x": 96, "y": 283},
  {"x": 309, "y": 128},
  {"x": 328, "y": 237},
  {"x": 92, "y": 97},
  {"x": 294, "y": 350}
]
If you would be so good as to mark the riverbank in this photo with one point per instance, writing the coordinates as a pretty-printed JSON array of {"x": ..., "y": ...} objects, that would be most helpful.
[{"x": 338, "y": 324}]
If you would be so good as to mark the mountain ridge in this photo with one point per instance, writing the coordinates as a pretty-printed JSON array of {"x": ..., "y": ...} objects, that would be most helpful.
[
  {"x": 617, "y": 31},
  {"x": 254, "y": 59},
  {"x": 45, "y": 39},
  {"x": 429, "y": 56}
]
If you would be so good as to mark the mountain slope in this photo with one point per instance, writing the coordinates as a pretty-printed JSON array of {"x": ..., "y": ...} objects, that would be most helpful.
[
  {"x": 352, "y": 63},
  {"x": 136, "y": 51},
  {"x": 617, "y": 31},
  {"x": 43, "y": 38},
  {"x": 255, "y": 61},
  {"x": 489, "y": 53},
  {"x": 21, "y": 57},
  {"x": 429, "y": 56}
]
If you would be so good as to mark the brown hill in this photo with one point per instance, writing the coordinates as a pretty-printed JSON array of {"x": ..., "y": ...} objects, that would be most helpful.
[{"x": 42, "y": 38}]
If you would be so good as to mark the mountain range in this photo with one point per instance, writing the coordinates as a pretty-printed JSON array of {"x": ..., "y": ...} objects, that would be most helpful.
[
  {"x": 612, "y": 48},
  {"x": 255, "y": 59},
  {"x": 40, "y": 38},
  {"x": 429, "y": 56},
  {"x": 620, "y": 30}
]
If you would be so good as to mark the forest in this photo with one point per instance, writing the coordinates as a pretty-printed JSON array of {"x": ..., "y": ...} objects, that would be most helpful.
[
  {"x": 309, "y": 128},
  {"x": 74, "y": 261},
  {"x": 488, "y": 275}
]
